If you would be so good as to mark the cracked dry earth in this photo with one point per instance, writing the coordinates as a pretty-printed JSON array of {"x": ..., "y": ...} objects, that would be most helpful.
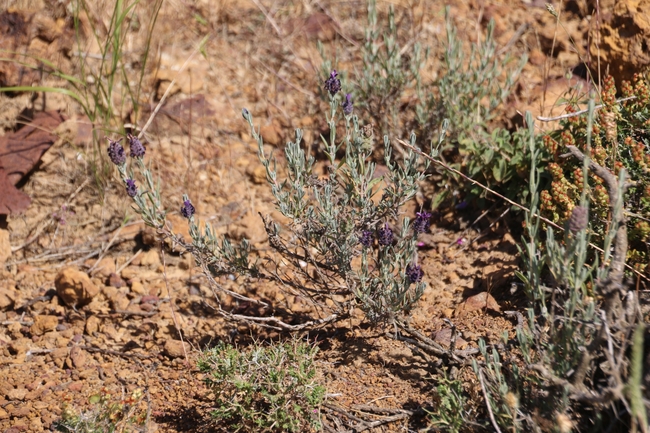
[{"x": 86, "y": 293}]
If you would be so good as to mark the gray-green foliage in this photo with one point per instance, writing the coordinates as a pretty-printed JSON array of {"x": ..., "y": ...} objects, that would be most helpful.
[
  {"x": 328, "y": 214},
  {"x": 573, "y": 343},
  {"x": 389, "y": 69},
  {"x": 450, "y": 411},
  {"x": 262, "y": 388},
  {"x": 472, "y": 87}
]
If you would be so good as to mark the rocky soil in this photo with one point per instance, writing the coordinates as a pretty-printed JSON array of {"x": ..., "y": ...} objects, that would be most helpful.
[{"x": 86, "y": 292}]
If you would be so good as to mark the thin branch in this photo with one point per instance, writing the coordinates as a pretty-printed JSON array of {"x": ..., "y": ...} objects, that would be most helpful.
[
  {"x": 487, "y": 401},
  {"x": 578, "y": 113}
]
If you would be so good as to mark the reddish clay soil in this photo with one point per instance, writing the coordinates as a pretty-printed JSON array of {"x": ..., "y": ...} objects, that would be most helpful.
[{"x": 81, "y": 223}]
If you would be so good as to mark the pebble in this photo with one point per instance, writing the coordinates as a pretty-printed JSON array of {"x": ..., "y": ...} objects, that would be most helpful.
[
  {"x": 174, "y": 348},
  {"x": 43, "y": 324},
  {"x": 75, "y": 287}
]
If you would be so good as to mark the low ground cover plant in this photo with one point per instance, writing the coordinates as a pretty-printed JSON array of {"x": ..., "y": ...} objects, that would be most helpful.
[
  {"x": 109, "y": 413},
  {"x": 263, "y": 388}
]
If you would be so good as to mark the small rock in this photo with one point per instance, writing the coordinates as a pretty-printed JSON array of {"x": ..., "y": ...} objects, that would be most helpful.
[
  {"x": 18, "y": 393},
  {"x": 149, "y": 299},
  {"x": 257, "y": 174},
  {"x": 5, "y": 246},
  {"x": 271, "y": 134},
  {"x": 479, "y": 302},
  {"x": 105, "y": 267},
  {"x": 7, "y": 297},
  {"x": 78, "y": 357},
  {"x": 59, "y": 353},
  {"x": 174, "y": 348},
  {"x": 150, "y": 258},
  {"x": 76, "y": 386},
  {"x": 74, "y": 287},
  {"x": 115, "y": 280},
  {"x": 3, "y": 414},
  {"x": 22, "y": 411},
  {"x": 138, "y": 288},
  {"x": 444, "y": 337},
  {"x": 43, "y": 324},
  {"x": 92, "y": 325}
]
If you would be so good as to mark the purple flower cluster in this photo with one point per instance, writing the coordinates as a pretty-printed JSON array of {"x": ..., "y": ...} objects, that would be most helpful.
[
  {"x": 116, "y": 152},
  {"x": 137, "y": 149},
  {"x": 366, "y": 238},
  {"x": 385, "y": 235},
  {"x": 187, "y": 210},
  {"x": 421, "y": 222},
  {"x": 414, "y": 273},
  {"x": 131, "y": 188},
  {"x": 333, "y": 84},
  {"x": 347, "y": 105}
]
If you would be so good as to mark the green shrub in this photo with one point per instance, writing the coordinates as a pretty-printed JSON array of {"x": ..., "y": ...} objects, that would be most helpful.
[
  {"x": 265, "y": 388},
  {"x": 619, "y": 139}
]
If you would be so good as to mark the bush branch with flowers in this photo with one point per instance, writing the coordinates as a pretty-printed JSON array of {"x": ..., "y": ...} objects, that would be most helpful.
[{"x": 347, "y": 238}]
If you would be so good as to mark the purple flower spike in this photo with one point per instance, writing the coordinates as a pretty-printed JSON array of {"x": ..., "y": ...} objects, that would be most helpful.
[
  {"x": 333, "y": 84},
  {"x": 421, "y": 223},
  {"x": 385, "y": 235},
  {"x": 347, "y": 105},
  {"x": 414, "y": 273},
  {"x": 366, "y": 238},
  {"x": 116, "y": 152},
  {"x": 187, "y": 210},
  {"x": 131, "y": 188},
  {"x": 137, "y": 149}
]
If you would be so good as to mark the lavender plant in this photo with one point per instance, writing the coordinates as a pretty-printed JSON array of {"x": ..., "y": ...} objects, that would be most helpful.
[
  {"x": 574, "y": 345},
  {"x": 334, "y": 217},
  {"x": 347, "y": 239},
  {"x": 388, "y": 72},
  {"x": 469, "y": 93}
]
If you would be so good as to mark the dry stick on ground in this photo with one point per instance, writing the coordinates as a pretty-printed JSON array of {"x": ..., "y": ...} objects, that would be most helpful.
[
  {"x": 507, "y": 200},
  {"x": 46, "y": 222},
  {"x": 396, "y": 415},
  {"x": 115, "y": 352}
]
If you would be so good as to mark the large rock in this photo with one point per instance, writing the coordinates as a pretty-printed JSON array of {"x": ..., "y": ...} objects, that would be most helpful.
[
  {"x": 624, "y": 36},
  {"x": 74, "y": 287}
]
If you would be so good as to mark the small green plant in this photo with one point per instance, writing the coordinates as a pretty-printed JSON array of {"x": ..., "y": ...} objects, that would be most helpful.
[
  {"x": 620, "y": 140},
  {"x": 109, "y": 414},
  {"x": 262, "y": 388},
  {"x": 389, "y": 71},
  {"x": 449, "y": 415},
  {"x": 469, "y": 93}
]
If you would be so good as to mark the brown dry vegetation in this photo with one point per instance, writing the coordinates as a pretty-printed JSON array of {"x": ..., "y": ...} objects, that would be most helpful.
[{"x": 262, "y": 56}]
